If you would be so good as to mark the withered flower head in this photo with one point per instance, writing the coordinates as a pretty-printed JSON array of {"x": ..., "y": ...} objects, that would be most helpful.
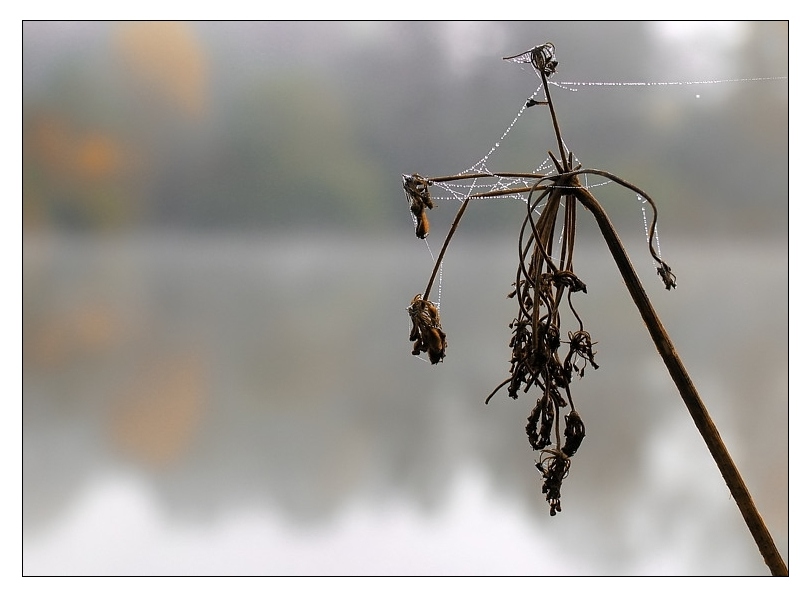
[
  {"x": 574, "y": 433},
  {"x": 554, "y": 466},
  {"x": 566, "y": 278},
  {"x": 426, "y": 330},
  {"x": 541, "y": 57},
  {"x": 419, "y": 197},
  {"x": 423, "y": 225},
  {"x": 580, "y": 345},
  {"x": 668, "y": 278},
  {"x": 544, "y": 411}
]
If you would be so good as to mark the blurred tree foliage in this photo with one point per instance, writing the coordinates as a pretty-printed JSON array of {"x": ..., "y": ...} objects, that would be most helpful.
[{"x": 271, "y": 125}]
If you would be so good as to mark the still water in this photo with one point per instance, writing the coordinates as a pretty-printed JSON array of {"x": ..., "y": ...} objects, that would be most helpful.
[{"x": 211, "y": 404}]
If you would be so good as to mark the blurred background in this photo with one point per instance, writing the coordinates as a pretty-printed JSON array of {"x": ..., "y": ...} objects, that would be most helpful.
[{"x": 217, "y": 258}]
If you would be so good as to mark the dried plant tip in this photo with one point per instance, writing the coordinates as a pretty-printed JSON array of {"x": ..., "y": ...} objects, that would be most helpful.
[
  {"x": 416, "y": 189},
  {"x": 543, "y": 412},
  {"x": 668, "y": 278},
  {"x": 574, "y": 433},
  {"x": 533, "y": 102},
  {"x": 541, "y": 57},
  {"x": 423, "y": 226},
  {"x": 554, "y": 467},
  {"x": 580, "y": 345},
  {"x": 532, "y": 426},
  {"x": 566, "y": 278},
  {"x": 547, "y": 421},
  {"x": 436, "y": 345},
  {"x": 426, "y": 330},
  {"x": 419, "y": 197}
]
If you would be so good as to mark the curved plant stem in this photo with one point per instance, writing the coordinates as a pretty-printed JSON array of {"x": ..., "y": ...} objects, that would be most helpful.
[
  {"x": 678, "y": 373},
  {"x": 445, "y": 247}
]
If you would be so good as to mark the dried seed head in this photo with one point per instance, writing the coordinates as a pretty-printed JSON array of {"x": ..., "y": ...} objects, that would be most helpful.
[
  {"x": 423, "y": 226},
  {"x": 419, "y": 197},
  {"x": 416, "y": 189},
  {"x": 554, "y": 466},
  {"x": 580, "y": 346},
  {"x": 543, "y": 412},
  {"x": 566, "y": 278},
  {"x": 668, "y": 278},
  {"x": 574, "y": 433},
  {"x": 436, "y": 345},
  {"x": 541, "y": 57},
  {"x": 426, "y": 330}
]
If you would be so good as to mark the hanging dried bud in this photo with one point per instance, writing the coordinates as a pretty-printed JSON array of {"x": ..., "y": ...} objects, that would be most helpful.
[
  {"x": 554, "y": 467},
  {"x": 436, "y": 345},
  {"x": 541, "y": 57},
  {"x": 423, "y": 226},
  {"x": 416, "y": 190},
  {"x": 668, "y": 278},
  {"x": 547, "y": 420},
  {"x": 574, "y": 433},
  {"x": 532, "y": 426},
  {"x": 426, "y": 331},
  {"x": 580, "y": 345},
  {"x": 566, "y": 278}
]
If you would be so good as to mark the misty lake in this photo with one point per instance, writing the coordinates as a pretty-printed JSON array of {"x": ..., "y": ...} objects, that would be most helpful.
[{"x": 215, "y": 404}]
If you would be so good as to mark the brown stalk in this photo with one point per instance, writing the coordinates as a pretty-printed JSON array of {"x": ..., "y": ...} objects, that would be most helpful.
[
  {"x": 664, "y": 345},
  {"x": 688, "y": 392},
  {"x": 445, "y": 247}
]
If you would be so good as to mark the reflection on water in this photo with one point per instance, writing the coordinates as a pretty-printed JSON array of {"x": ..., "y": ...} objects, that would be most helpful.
[
  {"x": 214, "y": 405},
  {"x": 390, "y": 539}
]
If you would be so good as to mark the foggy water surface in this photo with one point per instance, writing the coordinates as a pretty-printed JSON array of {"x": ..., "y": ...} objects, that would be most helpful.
[{"x": 201, "y": 404}]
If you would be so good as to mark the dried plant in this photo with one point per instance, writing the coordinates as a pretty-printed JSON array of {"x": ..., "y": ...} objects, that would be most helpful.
[{"x": 542, "y": 361}]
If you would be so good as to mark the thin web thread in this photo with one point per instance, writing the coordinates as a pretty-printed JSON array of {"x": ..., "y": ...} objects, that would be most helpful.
[
  {"x": 568, "y": 85},
  {"x": 459, "y": 192},
  {"x": 642, "y": 202}
]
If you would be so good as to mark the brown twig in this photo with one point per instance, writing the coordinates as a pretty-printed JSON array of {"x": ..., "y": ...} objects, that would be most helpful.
[
  {"x": 441, "y": 255},
  {"x": 688, "y": 392},
  {"x": 664, "y": 345}
]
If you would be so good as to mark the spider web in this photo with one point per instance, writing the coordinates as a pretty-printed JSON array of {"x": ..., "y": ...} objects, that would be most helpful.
[{"x": 459, "y": 191}]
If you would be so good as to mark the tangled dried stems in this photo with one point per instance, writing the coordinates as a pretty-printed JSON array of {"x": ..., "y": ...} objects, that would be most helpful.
[{"x": 544, "y": 278}]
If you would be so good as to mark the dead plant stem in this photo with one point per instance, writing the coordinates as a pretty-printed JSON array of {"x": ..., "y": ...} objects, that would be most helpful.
[
  {"x": 661, "y": 339},
  {"x": 445, "y": 247},
  {"x": 689, "y": 394}
]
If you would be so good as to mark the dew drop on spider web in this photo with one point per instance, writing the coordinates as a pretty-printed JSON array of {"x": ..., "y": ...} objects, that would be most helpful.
[
  {"x": 439, "y": 287},
  {"x": 642, "y": 201}
]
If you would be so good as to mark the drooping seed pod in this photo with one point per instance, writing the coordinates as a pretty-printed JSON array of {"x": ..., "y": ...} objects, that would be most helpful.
[
  {"x": 426, "y": 331},
  {"x": 554, "y": 467},
  {"x": 423, "y": 226},
  {"x": 574, "y": 433},
  {"x": 436, "y": 345},
  {"x": 532, "y": 425},
  {"x": 668, "y": 278}
]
